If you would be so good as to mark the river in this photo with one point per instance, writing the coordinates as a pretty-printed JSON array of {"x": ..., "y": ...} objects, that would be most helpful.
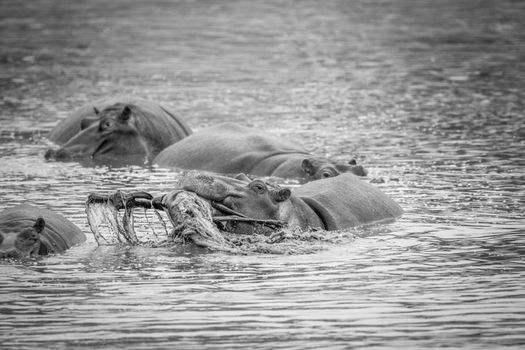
[{"x": 428, "y": 95}]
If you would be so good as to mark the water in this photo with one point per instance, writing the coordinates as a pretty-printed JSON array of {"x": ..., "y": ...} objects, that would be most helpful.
[{"x": 428, "y": 95}]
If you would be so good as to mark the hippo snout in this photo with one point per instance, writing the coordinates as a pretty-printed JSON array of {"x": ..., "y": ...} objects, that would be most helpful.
[
  {"x": 50, "y": 154},
  {"x": 57, "y": 154}
]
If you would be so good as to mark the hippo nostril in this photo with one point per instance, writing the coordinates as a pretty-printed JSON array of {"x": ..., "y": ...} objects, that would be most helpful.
[
  {"x": 57, "y": 154},
  {"x": 50, "y": 153}
]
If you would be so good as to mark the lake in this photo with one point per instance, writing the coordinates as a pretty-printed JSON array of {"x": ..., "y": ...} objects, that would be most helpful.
[{"x": 428, "y": 95}]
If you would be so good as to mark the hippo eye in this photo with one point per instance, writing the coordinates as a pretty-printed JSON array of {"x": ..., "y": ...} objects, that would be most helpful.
[
  {"x": 328, "y": 173},
  {"x": 258, "y": 187},
  {"x": 104, "y": 125}
]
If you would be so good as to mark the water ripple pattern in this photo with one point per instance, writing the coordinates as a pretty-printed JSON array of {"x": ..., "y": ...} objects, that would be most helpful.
[{"x": 428, "y": 95}]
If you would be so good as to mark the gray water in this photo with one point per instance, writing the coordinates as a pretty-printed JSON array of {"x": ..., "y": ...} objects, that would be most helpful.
[{"x": 428, "y": 95}]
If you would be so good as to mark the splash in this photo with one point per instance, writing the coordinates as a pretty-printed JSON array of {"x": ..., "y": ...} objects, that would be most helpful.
[{"x": 185, "y": 219}]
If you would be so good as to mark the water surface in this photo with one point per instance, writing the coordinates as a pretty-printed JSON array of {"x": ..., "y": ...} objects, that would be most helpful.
[{"x": 429, "y": 96}]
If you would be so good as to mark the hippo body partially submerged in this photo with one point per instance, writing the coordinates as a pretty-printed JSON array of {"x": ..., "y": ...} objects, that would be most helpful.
[
  {"x": 26, "y": 230},
  {"x": 334, "y": 203},
  {"x": 121, "y": 130},
  {"x": 231, "y": 149}
]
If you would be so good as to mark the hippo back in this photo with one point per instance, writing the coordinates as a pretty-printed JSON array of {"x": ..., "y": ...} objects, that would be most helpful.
[
  {"x": 59, "y": 233},
  {"x": 159, "y": 123},
  {"x": 226, "y": 148},
  {"x": 346, "y": 201}
]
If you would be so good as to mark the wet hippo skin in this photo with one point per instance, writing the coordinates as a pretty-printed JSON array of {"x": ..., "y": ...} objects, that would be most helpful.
[
  {"x": 230, "y": 148},
  {"x": 122, "y": 130},
  {"x": 26, "y": 230},
  {"x": 334, "y": 203}
]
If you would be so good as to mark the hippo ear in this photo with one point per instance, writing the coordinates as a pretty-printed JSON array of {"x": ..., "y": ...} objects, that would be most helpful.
[
  {"x": 95, "y": 109},
  {"x": 282, "y": 195},
  {"x": 126, "y": 113},
  {"x": 39, "y": 225},
  {"x": 352, "y": 162},
  {"x": 307, "y": 166},
  {"x": 243, "y": 177}
]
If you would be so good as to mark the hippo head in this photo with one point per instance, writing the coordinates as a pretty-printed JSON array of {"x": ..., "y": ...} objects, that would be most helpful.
[
  {"x": 21, "y": 242},
  {"x": 111, "y": 134},
  {"x": 317, "y": 168},
  {"x": 240, "y": 196}
]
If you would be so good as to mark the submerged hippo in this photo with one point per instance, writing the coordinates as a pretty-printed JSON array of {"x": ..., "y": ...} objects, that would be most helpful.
[
  {"x": 26, "y": 231},
  {"x": 334, "y": 203},
  {"x": 231, "y": 149},
  {"x": 122, "y": 130}
]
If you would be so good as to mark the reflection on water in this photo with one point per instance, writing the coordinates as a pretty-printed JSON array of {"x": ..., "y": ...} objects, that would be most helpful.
[{"x": 427, "y": 95}]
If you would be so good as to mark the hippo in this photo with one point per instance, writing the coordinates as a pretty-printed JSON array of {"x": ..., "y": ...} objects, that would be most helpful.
[
  {"x": 124, "y": 130},
  {"x": 334, "y": 203},
  {"x": 230, "y": 148},
  {"x": 329, "y": 204},
  {"x": 27, "y": 231}
]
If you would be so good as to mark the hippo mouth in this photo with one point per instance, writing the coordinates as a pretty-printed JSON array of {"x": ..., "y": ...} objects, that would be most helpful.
[
  {"x": 78, "y": 152},
  {"x": 102, "y": 148},
  {"x": 57, "y": 154}
]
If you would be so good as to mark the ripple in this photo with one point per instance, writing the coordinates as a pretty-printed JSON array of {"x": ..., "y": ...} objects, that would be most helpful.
[{"x": 429, "y": 98}]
